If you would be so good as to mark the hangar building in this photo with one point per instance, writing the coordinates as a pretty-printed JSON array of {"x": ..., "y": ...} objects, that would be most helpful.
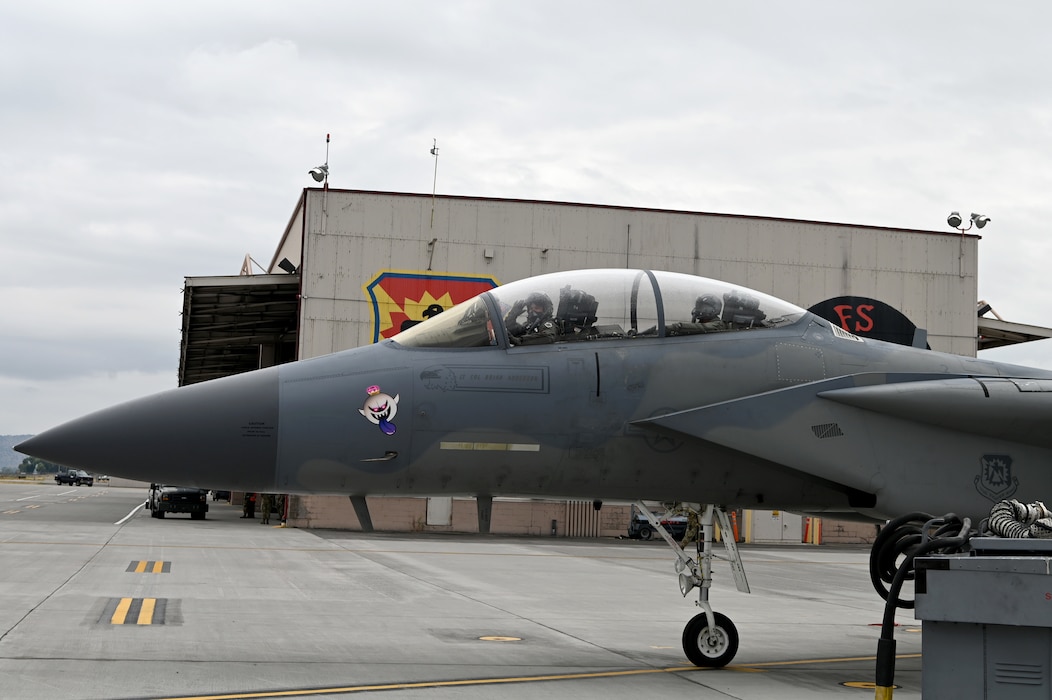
[{"x": 355, "y": 267}]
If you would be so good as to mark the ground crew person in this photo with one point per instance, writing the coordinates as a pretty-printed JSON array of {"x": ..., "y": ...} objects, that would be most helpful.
[
  {"x": 248, "y": 510},
  {"x": 267, "y": 505}
]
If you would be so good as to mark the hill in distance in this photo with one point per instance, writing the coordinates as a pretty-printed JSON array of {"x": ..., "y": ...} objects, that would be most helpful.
[{"x": 9, "y": 459}]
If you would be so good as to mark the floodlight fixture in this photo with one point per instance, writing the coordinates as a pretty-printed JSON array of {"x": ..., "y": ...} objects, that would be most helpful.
[
  {"x": 955, "y": 220},
  {"x": 319, "y": 173}
]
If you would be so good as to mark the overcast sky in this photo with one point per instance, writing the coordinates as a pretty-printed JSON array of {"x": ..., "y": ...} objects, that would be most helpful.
[{"x": 144, "y": 142}]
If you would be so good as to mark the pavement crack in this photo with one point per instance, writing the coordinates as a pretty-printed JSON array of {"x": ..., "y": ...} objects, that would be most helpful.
[{"x": 63, "y": 584}]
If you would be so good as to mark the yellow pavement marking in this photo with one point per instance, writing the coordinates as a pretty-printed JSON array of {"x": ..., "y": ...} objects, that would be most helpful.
[
  {"x": 140, "y": 610},
  {"x": 144, "y": 566},
  {"x": 843, "y": 659},
  {"x": 146, "y": 613},
  {"x": 121, "y": 612},
  {"x": 749, "y": 668}
]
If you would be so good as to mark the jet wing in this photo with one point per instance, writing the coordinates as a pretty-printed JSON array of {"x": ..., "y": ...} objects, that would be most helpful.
[
  {"x": 837, "y": 428},
  {"x": 1019, "y": 410}
]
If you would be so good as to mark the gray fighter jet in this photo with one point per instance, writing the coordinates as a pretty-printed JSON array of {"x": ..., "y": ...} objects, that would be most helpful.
[{"x": 608, "y": 384}]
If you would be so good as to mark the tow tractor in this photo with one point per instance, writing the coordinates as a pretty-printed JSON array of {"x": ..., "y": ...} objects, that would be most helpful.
[{"x": 710, "y": 638}]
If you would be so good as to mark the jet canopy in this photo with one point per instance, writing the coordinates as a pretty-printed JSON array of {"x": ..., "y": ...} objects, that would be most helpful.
[{"x": 600, "y": 304}]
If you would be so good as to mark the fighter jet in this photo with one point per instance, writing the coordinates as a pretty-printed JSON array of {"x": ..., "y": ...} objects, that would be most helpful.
[{"x": 605, "y": 385}]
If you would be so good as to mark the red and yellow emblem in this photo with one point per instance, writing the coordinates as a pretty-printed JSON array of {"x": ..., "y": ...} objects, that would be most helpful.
[{"x": 401, "y": 298}]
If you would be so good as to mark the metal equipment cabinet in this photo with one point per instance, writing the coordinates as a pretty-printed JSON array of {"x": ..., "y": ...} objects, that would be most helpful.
[{"x": 987, "y": 621}]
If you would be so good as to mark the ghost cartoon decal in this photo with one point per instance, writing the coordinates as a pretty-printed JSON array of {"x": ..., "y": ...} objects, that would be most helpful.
[{"x": 380, "y": 408}]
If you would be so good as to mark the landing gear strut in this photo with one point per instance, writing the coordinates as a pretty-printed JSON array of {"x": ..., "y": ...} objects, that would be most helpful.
[{"x": 710, "y": 638}]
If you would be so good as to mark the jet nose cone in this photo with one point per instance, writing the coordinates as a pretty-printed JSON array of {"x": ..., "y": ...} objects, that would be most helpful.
[{"x": 221, "y": 433}]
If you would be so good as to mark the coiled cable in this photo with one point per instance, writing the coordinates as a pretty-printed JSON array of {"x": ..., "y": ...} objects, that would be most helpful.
[
  {"x": 898, "y": 542},
  {"x": 891, "y": 562},
  {"x": 1010, "y": 518}
]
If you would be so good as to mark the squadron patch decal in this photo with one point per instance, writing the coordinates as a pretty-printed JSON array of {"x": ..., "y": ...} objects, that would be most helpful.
[
  {"x": 380, "y": 408},
  {"x": 995, "y": 480},
  {"x": 402, "y": 298}
]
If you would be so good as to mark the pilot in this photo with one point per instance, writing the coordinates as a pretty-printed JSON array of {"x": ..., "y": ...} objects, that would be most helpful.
[
  {"x": 705, "y": 317},
  {"x": 538, "y": 327}
]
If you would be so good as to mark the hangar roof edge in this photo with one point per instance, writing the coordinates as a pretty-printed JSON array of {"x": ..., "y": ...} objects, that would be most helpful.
[
  {"x": 994, "y": 333},
  {"x": 644, "y": 209}
]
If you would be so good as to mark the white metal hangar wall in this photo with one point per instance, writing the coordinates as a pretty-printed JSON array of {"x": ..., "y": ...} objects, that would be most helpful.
[
  {"x": 356, "y": 250},
  {"x": 340, "y": 240}
]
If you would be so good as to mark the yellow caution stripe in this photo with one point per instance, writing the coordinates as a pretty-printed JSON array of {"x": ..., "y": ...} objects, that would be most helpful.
[
  {"x": 149, "y": 567},
  {"x": 136, "y": 611}
]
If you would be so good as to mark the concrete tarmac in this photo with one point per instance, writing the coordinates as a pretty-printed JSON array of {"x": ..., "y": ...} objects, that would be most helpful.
[{"x": 98, "y": 600}]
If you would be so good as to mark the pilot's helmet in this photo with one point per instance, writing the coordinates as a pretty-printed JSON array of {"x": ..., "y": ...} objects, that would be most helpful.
[
  {"x": 538, "y": 305},
  {"x": 706, "y": 308}
]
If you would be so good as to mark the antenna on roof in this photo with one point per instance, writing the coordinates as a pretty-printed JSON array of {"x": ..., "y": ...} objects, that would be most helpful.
[
  {"x": 321, "y": 173},
  {"x": 434, "y": 184}
]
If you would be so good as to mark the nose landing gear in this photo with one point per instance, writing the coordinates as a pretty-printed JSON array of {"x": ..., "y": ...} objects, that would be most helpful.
[{"x": 710, "y": 639}]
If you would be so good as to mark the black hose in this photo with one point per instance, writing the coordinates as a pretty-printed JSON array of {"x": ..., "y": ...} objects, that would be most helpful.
[
  {"x": 896, "y": 538},
  {"x": 909, "y": 537}
]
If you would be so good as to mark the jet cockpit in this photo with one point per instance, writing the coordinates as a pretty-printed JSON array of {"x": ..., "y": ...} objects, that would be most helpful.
[{"x": 600, "y": 304}]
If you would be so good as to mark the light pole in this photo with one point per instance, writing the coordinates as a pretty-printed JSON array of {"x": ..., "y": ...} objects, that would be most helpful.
[
  {"x": 434, "y": 184},
  {"x": 321, "y": 172}
]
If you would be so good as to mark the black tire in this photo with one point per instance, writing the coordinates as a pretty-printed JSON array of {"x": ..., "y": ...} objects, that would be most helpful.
[
  {"x": 706, "y": 652},
  {"x": 645, "y": 533},
  {"x": 197, "y": 516}
]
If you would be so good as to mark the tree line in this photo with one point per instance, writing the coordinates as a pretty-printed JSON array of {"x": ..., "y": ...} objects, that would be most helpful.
[{"x": 32, "y": 465}]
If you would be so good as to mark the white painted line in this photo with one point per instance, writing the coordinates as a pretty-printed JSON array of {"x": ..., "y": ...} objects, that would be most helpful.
[
  {"x": 28, "y": 497},
  {"x": 129, "y": 516}
]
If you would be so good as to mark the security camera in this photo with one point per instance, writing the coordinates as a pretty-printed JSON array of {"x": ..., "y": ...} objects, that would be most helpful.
[
  {"x": 954, "y": 219},
  {"x": 319, "y": 173},
  {"x": 980, "y": 220}
]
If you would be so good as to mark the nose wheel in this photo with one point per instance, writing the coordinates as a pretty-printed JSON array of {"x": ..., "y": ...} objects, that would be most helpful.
[
  {"x": 710, "y": 644},
  {"x": 710, "y": 639}
]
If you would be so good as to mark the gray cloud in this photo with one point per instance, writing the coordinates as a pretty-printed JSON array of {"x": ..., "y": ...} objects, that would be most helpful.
[{"x": 141, "y": 143}]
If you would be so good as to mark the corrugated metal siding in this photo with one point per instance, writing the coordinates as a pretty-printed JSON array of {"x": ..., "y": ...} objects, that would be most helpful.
[{"x": 582, "y": 520}]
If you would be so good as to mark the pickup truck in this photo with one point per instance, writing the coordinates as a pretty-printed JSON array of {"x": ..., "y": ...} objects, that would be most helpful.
[
  {"x": 164, "y": 498},
  {"x": 75, "y": 477},
  {"x": 641, "y": 529}
]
